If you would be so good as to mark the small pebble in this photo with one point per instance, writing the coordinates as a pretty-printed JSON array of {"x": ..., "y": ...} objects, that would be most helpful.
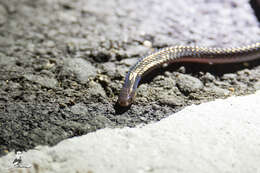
[
  {"x": 188, "y": 84},
  {"x": 147, "y": 43}
]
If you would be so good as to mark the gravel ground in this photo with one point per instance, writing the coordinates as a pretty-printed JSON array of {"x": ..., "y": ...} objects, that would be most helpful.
[
  {"x": 63, "y": 63},
  {"x": 197, "y": 139}
]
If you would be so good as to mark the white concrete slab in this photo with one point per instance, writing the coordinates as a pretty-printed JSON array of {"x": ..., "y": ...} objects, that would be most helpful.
[{"x": 219, "y": 136}]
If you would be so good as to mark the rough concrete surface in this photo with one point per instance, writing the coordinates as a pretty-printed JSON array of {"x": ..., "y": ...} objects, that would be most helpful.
[
  {"x": 218, "y": 136},
  {"x": 63, "y": 62}
]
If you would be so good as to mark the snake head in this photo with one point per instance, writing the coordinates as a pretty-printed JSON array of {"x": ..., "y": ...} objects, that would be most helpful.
[
  {"x": 126, "y": 97},
  {"x": 128, "y": 91}
]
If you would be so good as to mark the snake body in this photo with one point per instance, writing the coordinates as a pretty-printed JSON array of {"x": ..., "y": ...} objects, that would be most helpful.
[{"x": 183, "y": 54}]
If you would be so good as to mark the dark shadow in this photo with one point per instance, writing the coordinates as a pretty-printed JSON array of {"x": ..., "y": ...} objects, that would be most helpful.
[
  {"x": 196, "y": 68},
  {"x": 255, "y": 4},
  {"x": 120, "y": 110}
]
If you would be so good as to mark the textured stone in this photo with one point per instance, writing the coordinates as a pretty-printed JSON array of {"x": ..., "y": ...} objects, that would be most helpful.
[
  {"x": 44, "y": 81},
  {"x": 3, "y": 15},
  {"x": 188, "y": 84},
  {"x": 82, "y": 68}
]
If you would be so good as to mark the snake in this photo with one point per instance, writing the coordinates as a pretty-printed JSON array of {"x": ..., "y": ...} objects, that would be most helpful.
[{"x": 192, "y": 54}]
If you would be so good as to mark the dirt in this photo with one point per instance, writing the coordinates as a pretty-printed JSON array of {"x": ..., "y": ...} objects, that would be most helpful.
[{"x": 63, "y": 64}]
